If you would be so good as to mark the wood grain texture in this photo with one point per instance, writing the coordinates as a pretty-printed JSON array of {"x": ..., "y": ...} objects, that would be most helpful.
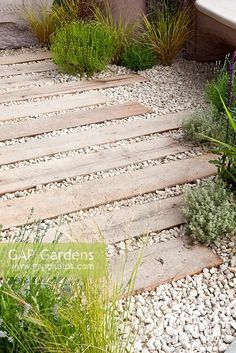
[
  {"x": 101, "y": 135},
  {"x": 51, "y": 105},
  {"x": 90, "y": 194},
  {"x": 22, "y": 69},
  {"x": 70, "y": 167},
  {"x": 42, "y": 125},
  {"x": 24, "y": 58},
  {"x": 163, "y": 263},
  {"x": 15, "y": 82},
  {"x": 124, "y": 223},
  {"x": 69, "y": 88}
]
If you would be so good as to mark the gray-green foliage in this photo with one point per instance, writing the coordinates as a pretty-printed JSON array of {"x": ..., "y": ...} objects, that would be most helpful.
[
  {"x": 210, "y": 211},
  {"x": 83, "y": 48},
  {"x": 207, "y": 122}
]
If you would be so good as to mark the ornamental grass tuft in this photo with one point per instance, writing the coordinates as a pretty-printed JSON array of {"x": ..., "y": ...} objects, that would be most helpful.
[{"x": 167, "y": 32}]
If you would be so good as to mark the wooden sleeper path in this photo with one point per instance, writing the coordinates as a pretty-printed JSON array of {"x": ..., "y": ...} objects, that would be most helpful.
[
  {"x": 90, "y": 194},
  {"x": 162, "y": 262}
]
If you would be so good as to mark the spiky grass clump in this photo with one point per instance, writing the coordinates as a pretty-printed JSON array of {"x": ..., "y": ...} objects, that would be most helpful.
[
  {"x": 42, "y": 24},
  {"x": 83, "y": 48},
  {"x": 69, "y": 11},
  {"x": 124, "y": 30},
  {"x": 167, "y": 32}
]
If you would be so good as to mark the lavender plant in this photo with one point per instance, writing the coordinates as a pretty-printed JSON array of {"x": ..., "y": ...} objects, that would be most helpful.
[{"x": 230, "y": 86}]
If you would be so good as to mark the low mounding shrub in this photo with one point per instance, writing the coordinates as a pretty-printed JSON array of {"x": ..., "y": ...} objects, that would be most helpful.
[
  {"x": 83, "y": 48},
  {"x": 210, "y": 211},
  {"x": 138, "y": 56},
  {"x": 167, "y": 32}
]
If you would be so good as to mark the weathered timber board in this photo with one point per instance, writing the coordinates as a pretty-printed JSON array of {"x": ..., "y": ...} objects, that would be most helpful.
[
  {"x": 124, "y": 223},
  {"x": 24, "y": 58},
  {"x": 70, "y": 167},
  {"x": 52, "y": 105},
  {"x": 163, "y": 263},
  {"x": 22, "y": 69},
  {"x": 38, "y": 126},
  {"x": 90, "y": 194},
  {"x": 15, "y": 82}
]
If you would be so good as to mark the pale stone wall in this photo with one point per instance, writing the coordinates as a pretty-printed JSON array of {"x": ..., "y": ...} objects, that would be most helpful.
[{"x": 13, "y": 29}]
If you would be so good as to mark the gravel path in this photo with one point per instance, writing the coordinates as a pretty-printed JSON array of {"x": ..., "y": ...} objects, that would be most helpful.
[{"x": 197, "y": 314}]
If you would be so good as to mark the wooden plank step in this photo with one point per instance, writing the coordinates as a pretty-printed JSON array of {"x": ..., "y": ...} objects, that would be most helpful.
[
  {"x": 58, "y": 122},
  {"x": 24, "y": 58},
  {"x": 106, "y": 134},
  {"x": 90, "y": 194},
  {"x": 69, "y": 88},
  {"x": 21, "y": 69},
  {"x": 70, "y": 167},
  {"x": 22, "y": 81},
  {"x": 163, "y": 263},
  {"x": 124, "y": 223},
  {"x": 51, "y": 105}
]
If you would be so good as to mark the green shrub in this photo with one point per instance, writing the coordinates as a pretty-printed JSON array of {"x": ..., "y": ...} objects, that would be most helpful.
[
  {"x": 210, "y": 211},
  {"x": 168, "y": 32},
  {"x": 204, "y": 123},
  {"x": 138, "y": 56},
  {"x": 83, "y": 48}
]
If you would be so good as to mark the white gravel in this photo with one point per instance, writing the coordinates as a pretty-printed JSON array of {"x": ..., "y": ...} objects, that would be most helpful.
[{"x": 193, "y": 315}]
